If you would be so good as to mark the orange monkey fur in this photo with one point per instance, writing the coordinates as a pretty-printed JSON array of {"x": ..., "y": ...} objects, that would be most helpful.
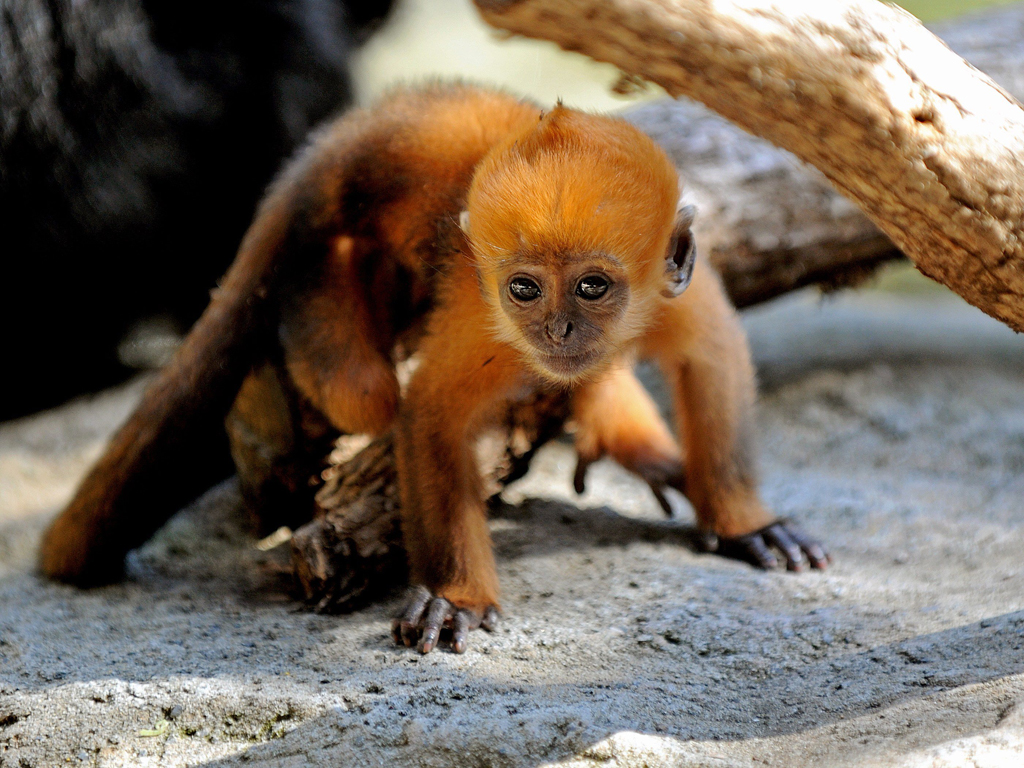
[{"x": 570, "y": 241}]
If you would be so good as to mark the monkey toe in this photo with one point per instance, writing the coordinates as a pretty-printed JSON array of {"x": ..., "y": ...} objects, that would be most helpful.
[
  {"x": 579, "y": 477},
  {"x": 405, "y": 629},
  {"x": 810, "y": 548},
  {"x": 426, "y": 620},
  {"x": 797, "y": 548},
  {"x": 489, "y": 622}
]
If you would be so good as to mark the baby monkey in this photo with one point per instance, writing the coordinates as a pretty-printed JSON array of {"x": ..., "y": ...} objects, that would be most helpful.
[{"x": 511, "y": 249}]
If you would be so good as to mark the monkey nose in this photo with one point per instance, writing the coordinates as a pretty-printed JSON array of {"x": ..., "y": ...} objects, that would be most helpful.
[{"x": 559, "y": 330}]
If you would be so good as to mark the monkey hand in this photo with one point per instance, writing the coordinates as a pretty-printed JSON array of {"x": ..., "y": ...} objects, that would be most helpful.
[
  {"x": 616, "y": 417},
  {"x": 426, "y": 616},
  {"x": 798, "y": 549},
  {"x": 658, "y": 471}
]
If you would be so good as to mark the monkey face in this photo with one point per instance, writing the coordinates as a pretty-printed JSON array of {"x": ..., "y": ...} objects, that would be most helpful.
[
  {"x": 573, "y": 230},
  {"x": 565, "y": 311}
]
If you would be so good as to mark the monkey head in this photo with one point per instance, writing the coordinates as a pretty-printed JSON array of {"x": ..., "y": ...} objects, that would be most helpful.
[{"x": 576, "y": 233}]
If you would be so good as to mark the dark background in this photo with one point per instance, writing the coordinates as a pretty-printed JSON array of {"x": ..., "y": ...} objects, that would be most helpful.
[{"x": 136, "y": 137}]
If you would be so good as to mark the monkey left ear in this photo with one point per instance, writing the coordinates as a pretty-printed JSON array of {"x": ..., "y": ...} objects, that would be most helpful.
[
  {"x": 682, "y": 253},
  {"x": 464, "y": 222}
]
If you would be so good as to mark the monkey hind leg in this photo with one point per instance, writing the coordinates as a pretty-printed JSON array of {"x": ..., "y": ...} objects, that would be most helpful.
[
  {"x": 279, "y": 445},
  {"x": 347, "y": 380},
  {"x": 336, "y": 343}
]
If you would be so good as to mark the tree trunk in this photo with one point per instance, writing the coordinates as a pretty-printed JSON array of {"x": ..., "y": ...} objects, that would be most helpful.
[{"x": 929, "y": 147}]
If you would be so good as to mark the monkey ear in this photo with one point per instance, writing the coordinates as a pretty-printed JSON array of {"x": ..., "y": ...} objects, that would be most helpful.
[
  {"x": 464, "y": 222},
  {"x": 682, "y": 253}
]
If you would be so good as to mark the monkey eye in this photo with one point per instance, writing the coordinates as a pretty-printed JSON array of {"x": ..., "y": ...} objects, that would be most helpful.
[
  {"x": 524, "y": 289},
  {"x": 592, "y": 287}
]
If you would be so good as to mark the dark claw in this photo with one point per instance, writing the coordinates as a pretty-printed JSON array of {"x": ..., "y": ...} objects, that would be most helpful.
[
  {"x": 777, "y": 535},
  {"x": 664, "y": 503},
  {"x": 426, "y": 620},
  {"x": 580, "y": 475},
  {"x": 798, "y": 548},
  {"x": 660, "y": 477}
]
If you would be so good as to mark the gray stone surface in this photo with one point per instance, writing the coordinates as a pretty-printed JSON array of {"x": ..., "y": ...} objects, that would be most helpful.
[{"x": 891, "y": 427}]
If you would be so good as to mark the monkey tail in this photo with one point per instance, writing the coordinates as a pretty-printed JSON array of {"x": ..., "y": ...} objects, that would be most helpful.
[{"x": 174, "y": 447}]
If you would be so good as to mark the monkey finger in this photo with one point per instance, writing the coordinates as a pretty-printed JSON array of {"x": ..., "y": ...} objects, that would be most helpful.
[
  {"x": 677, "y": 480},
  {"x": 659, "y": 494},
  {"x": 490, "y": 619},
  {"x": 406, "y": 628},
  {"x": 409, "y": 632},
  {"x": 815, "y": 552},
  {"x": 579, "y": 477},
  {"x": 777, "y": 536},
  {"x": 463, "y": 622},
  {"x": 707, "y": 541},
  {"x": 752, "y": 546},
  {"x": 439, "y": 613}
]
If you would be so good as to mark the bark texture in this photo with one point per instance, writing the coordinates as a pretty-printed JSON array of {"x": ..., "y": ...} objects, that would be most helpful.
[{"x": 929, "y": 147}]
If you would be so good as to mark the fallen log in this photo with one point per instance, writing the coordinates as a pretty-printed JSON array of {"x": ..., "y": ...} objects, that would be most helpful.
[{"x": 769, "y": 223}]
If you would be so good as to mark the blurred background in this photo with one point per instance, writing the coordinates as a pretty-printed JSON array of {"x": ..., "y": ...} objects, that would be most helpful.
[
  {"x": 447, "y": 37},
  {"x": 136, "y": 137}
]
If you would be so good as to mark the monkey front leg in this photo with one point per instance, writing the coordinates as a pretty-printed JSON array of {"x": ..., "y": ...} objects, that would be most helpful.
[
  {"x": 455, "y": 391},
  {"x": 444, "y": 522},
  {"x": 702, "y": 350}
]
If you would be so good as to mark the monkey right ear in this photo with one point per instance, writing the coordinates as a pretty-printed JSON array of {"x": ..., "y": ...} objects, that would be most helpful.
[
  {"x": 464, "y": 222},
  {"x": 682, "y": 253}
]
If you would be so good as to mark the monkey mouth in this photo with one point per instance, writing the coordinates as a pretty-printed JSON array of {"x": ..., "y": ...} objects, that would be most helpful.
[{"x": 570, "y": 365}]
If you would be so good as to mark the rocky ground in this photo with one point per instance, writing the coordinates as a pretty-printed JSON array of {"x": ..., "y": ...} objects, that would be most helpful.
[{"x": 892, "y": 427}]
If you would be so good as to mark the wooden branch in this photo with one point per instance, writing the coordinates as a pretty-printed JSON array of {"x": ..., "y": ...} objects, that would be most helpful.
[
  {"x": 353, "y": 548},
  {"x": 929, "y": 147},
  {"x": 769, "y": 223}
]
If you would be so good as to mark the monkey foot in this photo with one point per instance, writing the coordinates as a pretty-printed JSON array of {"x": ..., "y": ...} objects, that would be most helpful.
[
  {"x": 798, "y": 549},
  {"x": 425, "y": 617}
]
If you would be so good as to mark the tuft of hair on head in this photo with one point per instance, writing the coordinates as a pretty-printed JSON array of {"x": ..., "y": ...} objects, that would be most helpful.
[
  {"x": 574, "y": 181},
  {"x": 552, "y": 131},
  {"x": 574, "y": 187}
]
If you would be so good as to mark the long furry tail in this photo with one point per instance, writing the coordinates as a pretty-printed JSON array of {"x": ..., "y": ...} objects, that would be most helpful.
[{"x": 173, "y": 447}]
